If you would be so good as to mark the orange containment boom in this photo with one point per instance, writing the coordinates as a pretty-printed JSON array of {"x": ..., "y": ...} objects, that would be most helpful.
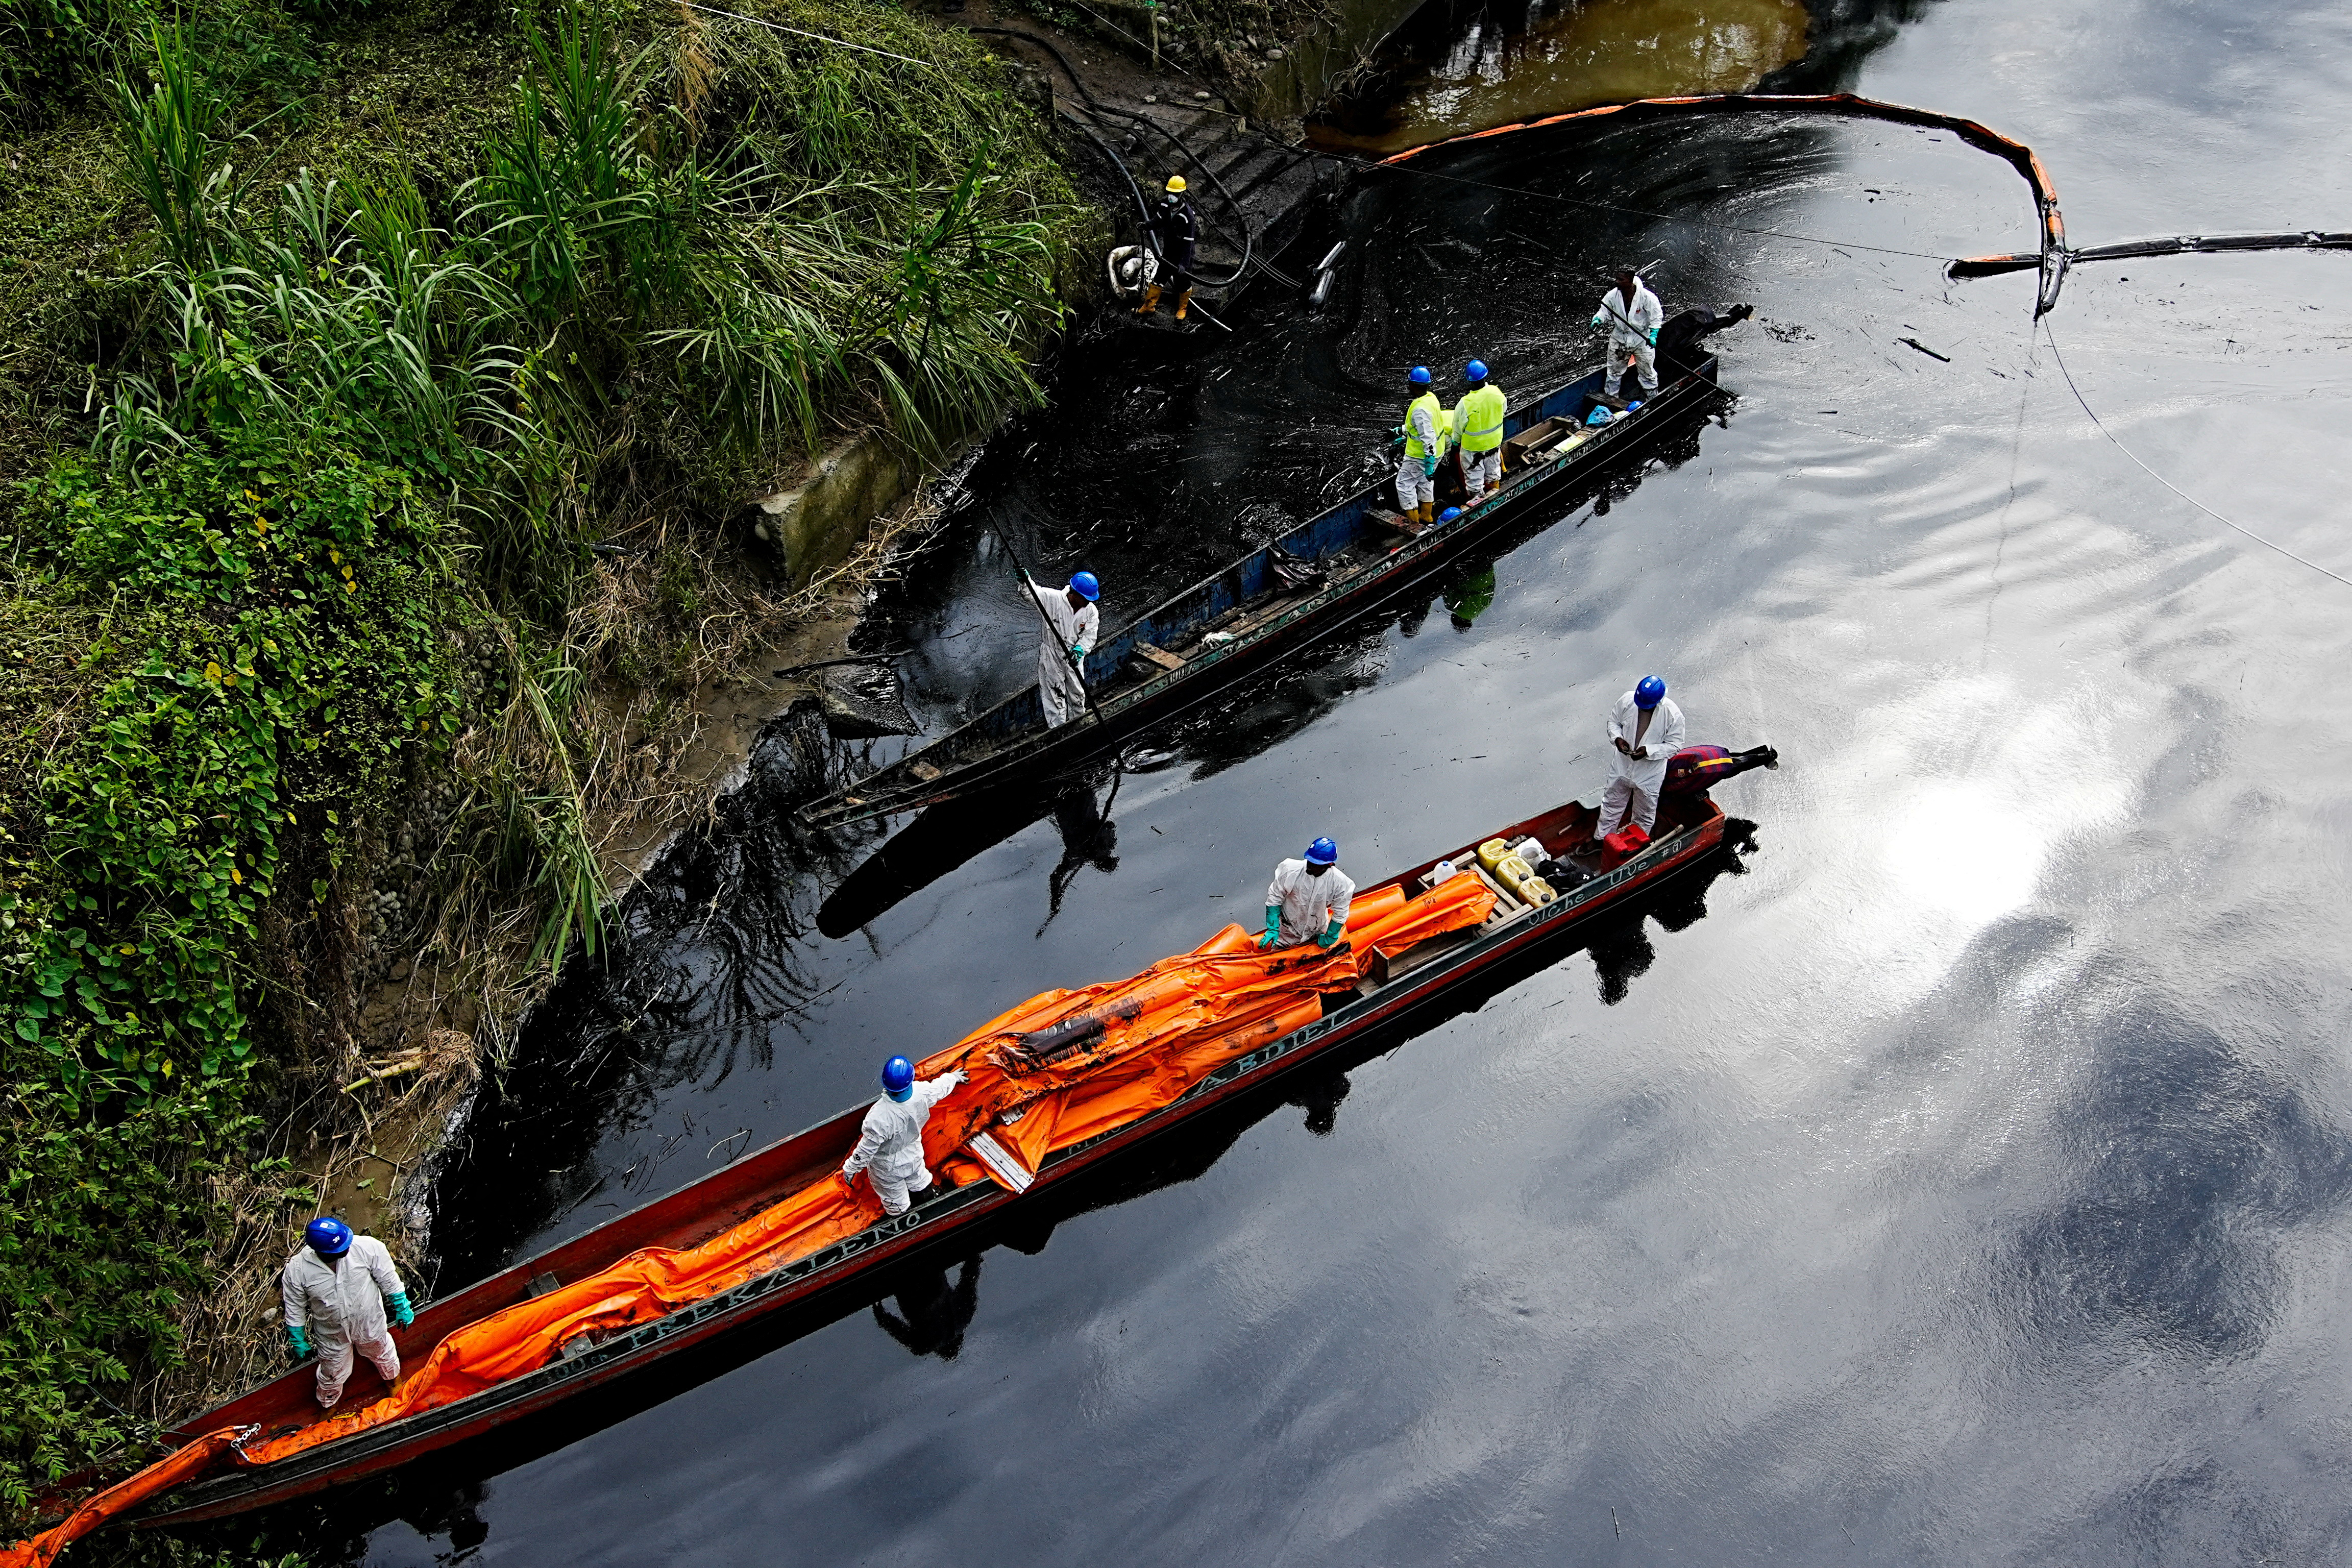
[
  {"x": 1059, "y": 1068},
  {"x": 181, "y": 1464},
  {"x": 2053, "y": 259}
]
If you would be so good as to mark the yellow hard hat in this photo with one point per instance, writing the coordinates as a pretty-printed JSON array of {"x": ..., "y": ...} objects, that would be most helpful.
[{"x": 1175, "y": 182}]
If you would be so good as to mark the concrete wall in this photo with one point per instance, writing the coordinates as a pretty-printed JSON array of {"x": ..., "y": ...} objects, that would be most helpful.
[
  {"x": 820, "y": 522},
  {"x": 1302, "y": 80}
]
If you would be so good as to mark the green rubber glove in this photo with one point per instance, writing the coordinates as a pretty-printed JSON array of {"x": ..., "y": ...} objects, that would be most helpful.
[
  {"x": 301, "y": 1336},
  {"x": 1429, "y": 466},
  {"x": 1654, "y": 337},
  {"x": 1332, "y": 932},
  {"x": 402, "y": 1311},
  {"x": 1272, "y": 927}
]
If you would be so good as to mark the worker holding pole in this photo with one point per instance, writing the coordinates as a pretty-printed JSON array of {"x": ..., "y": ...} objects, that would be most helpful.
[
  {"x": 1633, "y": 315},
  {"x": 1072, "y": 623}
]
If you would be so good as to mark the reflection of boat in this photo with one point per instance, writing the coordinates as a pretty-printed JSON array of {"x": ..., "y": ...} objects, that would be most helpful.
[
  {"x": 1266, "y": 605},
  {"x": 953, "y": 832},
  {"x": 1402, "y": 985}
]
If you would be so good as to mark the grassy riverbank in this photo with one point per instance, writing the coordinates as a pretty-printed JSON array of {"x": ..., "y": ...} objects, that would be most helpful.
[{"x": 382, "y": 387}]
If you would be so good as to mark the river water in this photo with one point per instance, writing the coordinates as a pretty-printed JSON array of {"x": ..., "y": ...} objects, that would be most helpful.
[{"x": 1967, "y": 1178}]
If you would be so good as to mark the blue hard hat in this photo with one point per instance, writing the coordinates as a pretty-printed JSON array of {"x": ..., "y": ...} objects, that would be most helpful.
[
  {"x": 1649, "y": 693},
  {"x": 1419, "y": 375},
  {"x": 328, "y": 1237},
  {"x": 1323, "y": 852},
  {"x": 1475, "y": 371},
  {"x": 898, "y": 1077},
  {"x": 1084, "y": 581},
  {"x": 1449, "y": 514}
]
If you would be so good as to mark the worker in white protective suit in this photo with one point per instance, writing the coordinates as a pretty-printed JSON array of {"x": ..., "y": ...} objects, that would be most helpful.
[
  {"x": 1307, "y": 900},
  {"x": 1633, "y": 315},
  {"x": 1644, "y": 733},
  {"x": 335, "y": 1290},
  {"x": 1072, "y": 623},
  {"x": 890, "y": 1147},
  {"x": 1428, "y": 427}
]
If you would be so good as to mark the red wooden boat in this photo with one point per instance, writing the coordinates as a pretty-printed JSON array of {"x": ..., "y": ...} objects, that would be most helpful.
[{"x": 1420, "y": 979}]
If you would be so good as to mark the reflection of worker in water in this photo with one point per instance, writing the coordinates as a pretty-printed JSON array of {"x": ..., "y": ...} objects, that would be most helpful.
[
  {"x": 1089, "y": 838},
  {"x": 1468, "y": 594},
  {"x": 1320, "y": 1097},
  {"x": 935, "y": 1313}
]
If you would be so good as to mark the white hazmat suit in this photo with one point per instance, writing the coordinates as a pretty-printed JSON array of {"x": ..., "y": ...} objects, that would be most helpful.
[
  {"x": 1633, "y": 327},
  {"x": 340, "y": 1300},
  {"x": 1308, "y": 904},
  {"x": 1635, "y": 781},
  {"x": 1060, "y": 688},
  {"x": 890, "y": 1148}
]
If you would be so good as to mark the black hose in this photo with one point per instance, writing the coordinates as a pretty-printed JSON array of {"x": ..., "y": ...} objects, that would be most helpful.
[
  {"x": 1045, "y": 44},
  {"x": 1142, "y": 207},
  {"x": 1096, "y": 105},
  {"x": 1249, "y": 238}
]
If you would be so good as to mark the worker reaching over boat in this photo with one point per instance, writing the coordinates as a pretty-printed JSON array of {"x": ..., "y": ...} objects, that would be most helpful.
[
  {"x": 334, "y": 1291},
  {"x": 891, "y": 1144},
  {"x": 1646, "y": 730},
  {"x": 1072, "y": 622},
  {"x": 1678, "y": 340},
  {"x": 1307, "y": 900},
  {"x": 1478, "y": 432},
  {"x": 1633, "y": 315},
  {"x": 1174, "y": 234},
  {"x": 1427, "y": 428}
]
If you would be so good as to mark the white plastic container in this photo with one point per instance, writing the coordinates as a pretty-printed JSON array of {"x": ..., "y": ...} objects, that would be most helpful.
[
  {"x": 1441, "y": 872},
  {"x": 1531, "y": 850}
]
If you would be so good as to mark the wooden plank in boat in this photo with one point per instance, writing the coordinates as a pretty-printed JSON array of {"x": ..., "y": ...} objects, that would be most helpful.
[
  {"x": 1159, "y": 658},
  {"x": 1384, "y": 969},
  {"x": 1504, "y": 900}
]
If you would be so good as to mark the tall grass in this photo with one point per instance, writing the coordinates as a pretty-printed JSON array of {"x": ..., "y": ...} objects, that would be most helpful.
[{"x": 687, "y": 259}]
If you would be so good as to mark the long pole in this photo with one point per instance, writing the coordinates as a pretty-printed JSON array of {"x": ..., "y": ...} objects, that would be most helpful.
[{"x": 1006, "y": 540}]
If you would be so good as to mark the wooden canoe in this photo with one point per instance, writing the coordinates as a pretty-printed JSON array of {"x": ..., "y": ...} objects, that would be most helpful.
[
  {"x": 1418, "y": 982},
  {"x": 1270, "y": 603}
]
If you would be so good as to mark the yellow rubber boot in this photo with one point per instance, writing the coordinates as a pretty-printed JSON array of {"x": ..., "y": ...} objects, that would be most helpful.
[
  {"x": 1150, "y": 299},
  {"x": 1183, "y": 300}
]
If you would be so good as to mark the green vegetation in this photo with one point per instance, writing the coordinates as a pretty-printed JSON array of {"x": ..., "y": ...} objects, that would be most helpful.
[{"x": 340, "y": 339}]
